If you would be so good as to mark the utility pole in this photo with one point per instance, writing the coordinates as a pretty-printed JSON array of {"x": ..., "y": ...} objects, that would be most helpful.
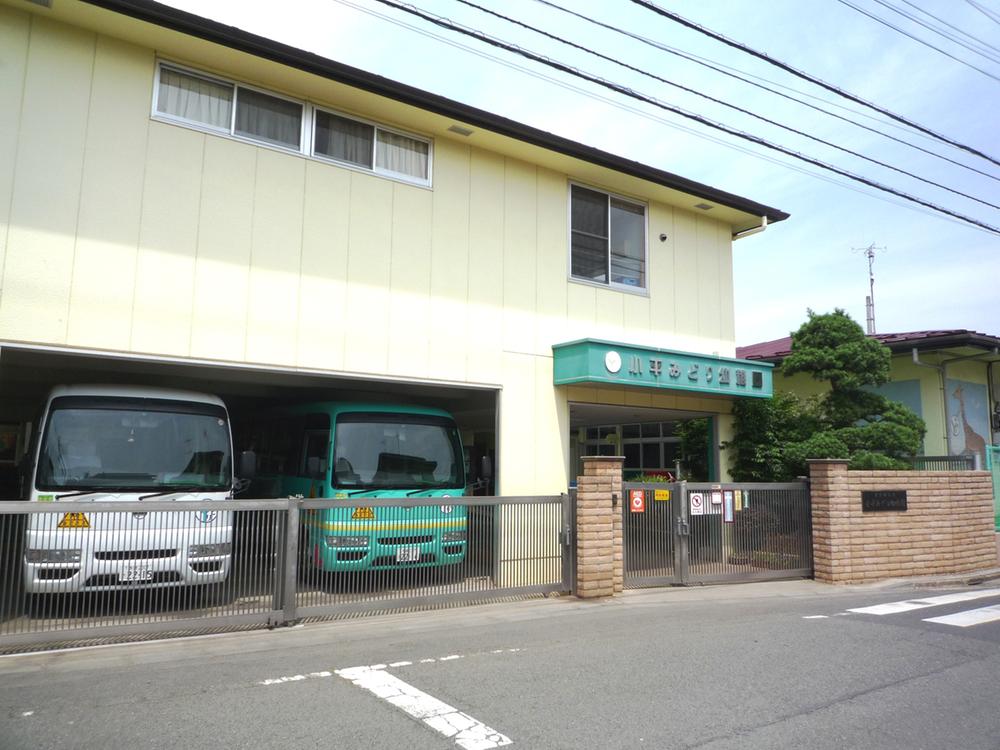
[{"x": 870, "y": 299}]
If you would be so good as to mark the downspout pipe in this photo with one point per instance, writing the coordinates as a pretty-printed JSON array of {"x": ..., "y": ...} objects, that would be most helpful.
[{"x": 944, "y": 399}]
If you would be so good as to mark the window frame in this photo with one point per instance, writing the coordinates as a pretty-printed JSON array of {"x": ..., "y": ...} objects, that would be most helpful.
[
  {"x": 196, "y": 124},
  {"x": 643, "y": 290},
  {"x": 377, "y": 128},
  {"x": 303, "y": 123},
  {"x": 307, "y": 126}
]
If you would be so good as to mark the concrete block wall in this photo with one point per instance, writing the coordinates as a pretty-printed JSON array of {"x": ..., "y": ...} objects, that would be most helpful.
[
  {"x": 948, "y": 526},
  {"x": 599, "y": 556}
]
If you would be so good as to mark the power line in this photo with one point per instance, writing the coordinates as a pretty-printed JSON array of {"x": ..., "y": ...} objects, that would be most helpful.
[
  {"x": 985, "y": 11},
  {"x": 805, "y": 76},
  {"x": 451, "y": 26},
  {"x": 917, "y": 39},
  {"x": 982, "y": 42},
  {"x": 724, "y": 103},
  {"x": 744, "y": 77},
  {"x": 636, "y": 111}
]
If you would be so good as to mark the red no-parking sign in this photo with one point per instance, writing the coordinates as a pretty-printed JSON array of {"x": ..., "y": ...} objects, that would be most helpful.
[{"x": 637, "y": 501}]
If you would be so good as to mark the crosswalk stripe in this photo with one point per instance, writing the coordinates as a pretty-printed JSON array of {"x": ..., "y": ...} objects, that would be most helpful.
[
  {"x": 969, "y": 617},
  {"x": 935, "y": 601}
]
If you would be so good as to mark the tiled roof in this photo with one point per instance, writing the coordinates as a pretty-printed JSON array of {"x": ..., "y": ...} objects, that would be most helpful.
[{"x": 778, "y": 349}]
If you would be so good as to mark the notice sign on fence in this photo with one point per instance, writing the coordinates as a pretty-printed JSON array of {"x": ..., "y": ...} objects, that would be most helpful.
[
  {"x": 727, "y": 506},
  {"x": 661, "y": 494},
  {"x": 637, "y": 501},
  {"x": 697, "y": 504}
]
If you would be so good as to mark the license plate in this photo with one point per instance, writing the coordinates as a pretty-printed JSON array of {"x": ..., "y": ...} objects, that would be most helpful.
[
  {"x": 408, "y": 554},
  {"x": 135, "y": 575}
]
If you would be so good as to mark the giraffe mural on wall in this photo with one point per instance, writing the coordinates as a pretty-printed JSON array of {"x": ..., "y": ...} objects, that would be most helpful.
[{"x": 975, "y": 444}]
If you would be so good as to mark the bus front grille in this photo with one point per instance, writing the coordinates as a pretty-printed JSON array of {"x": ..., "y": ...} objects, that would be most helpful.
[
  {"x": 134, "y": 554},
  {"x": 395, "y": 540}
]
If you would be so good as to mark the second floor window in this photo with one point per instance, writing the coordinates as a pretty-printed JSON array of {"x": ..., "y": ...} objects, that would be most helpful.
[
  {"x": 234, "y": 109},
  {"x": 607, "y": 239}
]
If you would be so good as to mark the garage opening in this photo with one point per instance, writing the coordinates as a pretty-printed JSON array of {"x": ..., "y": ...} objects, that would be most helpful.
[{"x": 28, "y": 373}]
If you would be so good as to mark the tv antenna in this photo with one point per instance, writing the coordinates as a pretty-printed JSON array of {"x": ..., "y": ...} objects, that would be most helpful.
[{"x": 870, "y": 299}]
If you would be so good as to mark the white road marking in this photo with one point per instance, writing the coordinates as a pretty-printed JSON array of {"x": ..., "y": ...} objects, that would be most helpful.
[
  {"x": 892, "y": 608},
  {"x": 401, "y": 664},
  {"x": 27, "y": 713},
  {"x": 969, "y": 617},
  {"x": 294, "y": 678},
  {"x": 815, "y": 617},
  {"x": 450, "y": 658},
  {"x": 467, "y": 732}
]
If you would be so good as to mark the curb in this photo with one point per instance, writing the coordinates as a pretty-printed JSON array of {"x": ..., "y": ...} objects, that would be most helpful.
[{"x": 972, "y": 578}]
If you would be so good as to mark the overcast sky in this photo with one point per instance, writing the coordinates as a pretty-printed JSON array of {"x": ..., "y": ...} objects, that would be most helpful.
[{"x": 934, "y": 273}]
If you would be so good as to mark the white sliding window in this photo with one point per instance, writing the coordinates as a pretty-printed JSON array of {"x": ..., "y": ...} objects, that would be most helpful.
[
  {"x": 399, "y": 154},
  {"x": 233, "y": 108},
  {"x": 195, "y": 99},
  {"x": 607, "y": 239},
  {"x": 344, "y": 140},
  {"x": 267, "y": 118}
]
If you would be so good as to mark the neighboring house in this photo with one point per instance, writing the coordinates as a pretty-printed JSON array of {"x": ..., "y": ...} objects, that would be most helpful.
[
  {"x": 185, "y": 203},
  {"x": 950, "y": 378}
]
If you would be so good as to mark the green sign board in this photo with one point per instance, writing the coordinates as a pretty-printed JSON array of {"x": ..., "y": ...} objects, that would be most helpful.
[{"x": 594, "y": 361}]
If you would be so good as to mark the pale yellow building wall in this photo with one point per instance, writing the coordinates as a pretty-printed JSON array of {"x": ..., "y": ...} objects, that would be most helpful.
[{"x": 124, "y": 233}]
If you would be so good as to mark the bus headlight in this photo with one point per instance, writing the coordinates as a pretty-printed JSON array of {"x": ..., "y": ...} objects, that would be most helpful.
[
  {"x": 209, "y": 550},
  {"x": 52, "y": 555},
  {"x": 347, "y": 541},
  {"x": 453, "y": 536}
]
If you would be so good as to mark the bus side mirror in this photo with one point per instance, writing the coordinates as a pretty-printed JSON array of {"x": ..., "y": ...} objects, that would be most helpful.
[{"x": 247, "y": 466}]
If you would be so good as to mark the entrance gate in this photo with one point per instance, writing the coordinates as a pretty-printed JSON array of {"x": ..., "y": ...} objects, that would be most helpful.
[{"x": 686, "y": 533}]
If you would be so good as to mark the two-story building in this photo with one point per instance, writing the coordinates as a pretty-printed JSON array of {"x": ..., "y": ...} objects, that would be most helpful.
[{"x": 186, "y": 203}]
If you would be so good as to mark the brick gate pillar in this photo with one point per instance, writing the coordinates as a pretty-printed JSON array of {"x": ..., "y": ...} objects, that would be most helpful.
[
  {"x": 599, "y": 527},
  {"x": 831, "y": 520}
]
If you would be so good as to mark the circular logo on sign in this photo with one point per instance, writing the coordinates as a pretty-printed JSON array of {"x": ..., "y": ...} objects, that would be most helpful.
[{"x": 612, "y": 361}]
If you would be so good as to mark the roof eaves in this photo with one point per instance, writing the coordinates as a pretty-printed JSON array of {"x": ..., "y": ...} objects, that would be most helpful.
[{"x": 243, "y": 41}]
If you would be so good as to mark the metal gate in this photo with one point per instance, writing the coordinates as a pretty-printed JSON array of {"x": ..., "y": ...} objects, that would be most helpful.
[{"x": 684, "y": 533}]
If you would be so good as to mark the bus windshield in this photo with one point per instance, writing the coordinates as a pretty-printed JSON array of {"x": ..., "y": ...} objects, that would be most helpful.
[
  {"x": 397, "y": 451},
  {"x": 103, "y": 446}
]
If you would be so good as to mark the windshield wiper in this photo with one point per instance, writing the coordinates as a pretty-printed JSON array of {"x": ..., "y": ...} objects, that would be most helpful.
[
  {"x": 177, "y": 488},
  {"x": 358, "y": 492},
  {"x": 425, "y": 489},
  {"x": 82, "y": 492}
]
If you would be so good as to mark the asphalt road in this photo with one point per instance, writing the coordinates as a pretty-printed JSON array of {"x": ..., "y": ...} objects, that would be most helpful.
[{"x": 774, "y": 665}]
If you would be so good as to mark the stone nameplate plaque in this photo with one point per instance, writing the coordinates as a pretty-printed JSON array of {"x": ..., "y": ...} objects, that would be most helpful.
[{"x": 880, "y": 500}]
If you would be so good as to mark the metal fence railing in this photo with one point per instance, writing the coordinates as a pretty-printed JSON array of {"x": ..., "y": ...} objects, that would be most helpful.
[
  {"x": 712, "y": 533},
  {"x": 943, "y": 463},
  {"x": 72, "y": 571}
]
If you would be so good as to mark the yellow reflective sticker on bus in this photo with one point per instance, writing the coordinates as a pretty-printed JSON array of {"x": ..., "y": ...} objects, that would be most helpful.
[
  {"x": 340, "y": 495},
  {"x": 361, "y": 514},
  {"x": 74, "y": 521}
]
